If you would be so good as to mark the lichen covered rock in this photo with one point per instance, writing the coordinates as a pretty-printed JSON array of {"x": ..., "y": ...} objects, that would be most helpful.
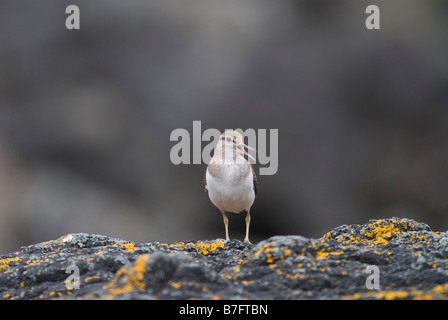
[{"x": 410, "y": 262}]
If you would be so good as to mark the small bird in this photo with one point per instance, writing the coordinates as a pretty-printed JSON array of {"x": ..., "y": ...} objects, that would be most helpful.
[{"x": 230, "y": 180}]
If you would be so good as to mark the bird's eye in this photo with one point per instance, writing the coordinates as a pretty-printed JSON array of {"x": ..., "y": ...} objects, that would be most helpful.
[{"x": 229, "y": 139}]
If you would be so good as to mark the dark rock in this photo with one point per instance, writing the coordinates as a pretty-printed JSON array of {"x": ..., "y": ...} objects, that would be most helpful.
[{"x": 412, "y": 263}]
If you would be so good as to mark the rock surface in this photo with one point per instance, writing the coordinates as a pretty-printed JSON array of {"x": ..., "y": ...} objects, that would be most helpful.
[{"x": 410, "y": 262}]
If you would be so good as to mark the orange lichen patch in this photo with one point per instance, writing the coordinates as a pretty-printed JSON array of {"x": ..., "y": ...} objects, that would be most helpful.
[
  {"x": 437, "y": 292},
  {"x": 273, "y": 255},
  {"x": 386, "y": 295},
  {"x": 264, "y": 248},
  {"x": 126, "y": 246},
  {"x": 201, "y": 247},
  {"x": 206, "y": 248},
  {"x": 441, "y": 288},
  {"x": 129, "y": 279},
  {"x": 228, "y": 276},
  {"x": 87, "y": 279},
  {"x": 324, "y": 253},
  {"x": 327, "y": 236},
  {"x": 241, "y": 261},
  {"x": 4, "y": 263},
  {"x": 391, "y": 295},
  {"x": 380, "y": 232},
  {"x": 286, "y": 251},
  {"x": 295, "y": 276},
  {"x": 416, "y": 237},
  {"x": 321, "y": 254}
]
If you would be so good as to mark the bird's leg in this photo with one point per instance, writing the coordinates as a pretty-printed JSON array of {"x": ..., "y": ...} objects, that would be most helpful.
[
  {"x": 226, "y": 224},
  {"x": 246, "y": 239}
]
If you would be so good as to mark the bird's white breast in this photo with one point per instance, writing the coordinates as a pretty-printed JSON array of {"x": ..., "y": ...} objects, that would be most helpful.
[{"x": 231, "y": 192}]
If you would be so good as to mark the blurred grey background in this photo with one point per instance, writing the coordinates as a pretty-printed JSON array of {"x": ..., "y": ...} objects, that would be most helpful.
[{"x": 86, "y": 115}]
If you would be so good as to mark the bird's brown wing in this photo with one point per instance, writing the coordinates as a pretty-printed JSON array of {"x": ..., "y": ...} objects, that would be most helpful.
[
  {"x": 205, "y": 180},
  {"x": 255, "y": 182}
]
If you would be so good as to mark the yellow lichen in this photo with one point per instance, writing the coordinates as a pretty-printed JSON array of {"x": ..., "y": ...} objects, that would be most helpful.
[
  {"x": 321, "y": 254},
  {"x": 128, "y": 247},
  {"x": 200, "y": 247},
  {"x": 133, "y": 277},
  {"x": 387, "y": 295},
  {"x": 87, "y": 279},
  {"x": 379, "y": 232},
  {"x": 4, "y": 263},
  {"x": 437, "y": 292}
]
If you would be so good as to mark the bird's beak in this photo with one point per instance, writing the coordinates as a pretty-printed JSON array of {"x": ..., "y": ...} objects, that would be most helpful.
[
  {"x": 249, "y": 148},
  {"x": 240, "y": 147}
]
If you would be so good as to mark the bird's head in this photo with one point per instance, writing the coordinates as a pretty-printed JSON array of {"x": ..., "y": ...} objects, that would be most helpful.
[{"x": 233, "y": 140}]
